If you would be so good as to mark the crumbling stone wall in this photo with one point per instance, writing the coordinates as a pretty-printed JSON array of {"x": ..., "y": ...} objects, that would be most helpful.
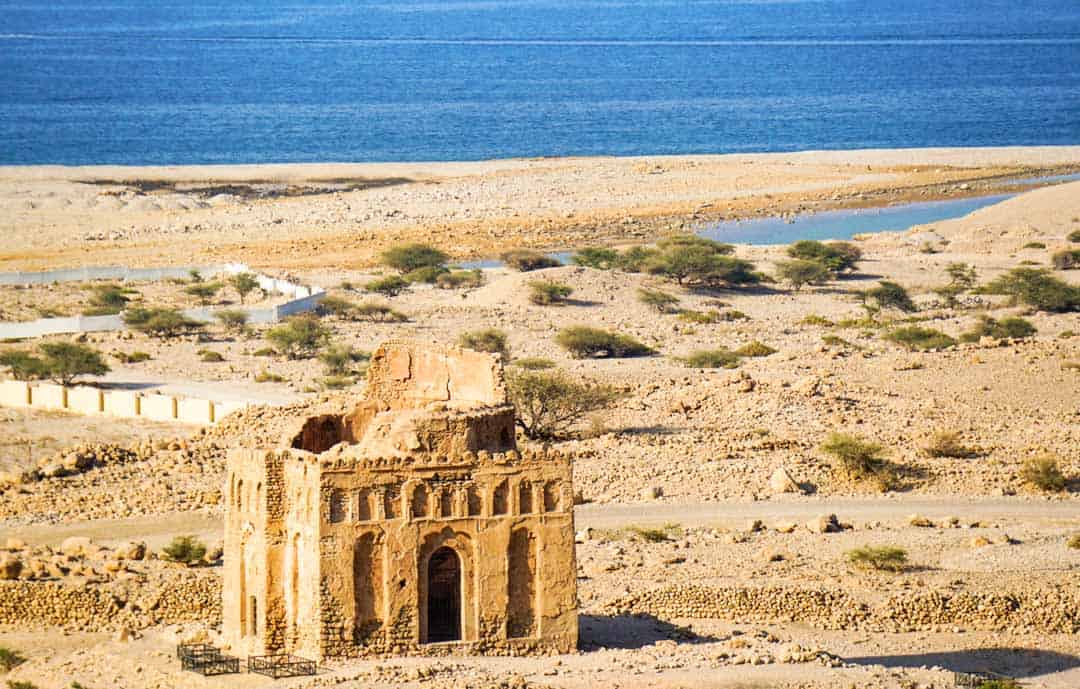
[{"x": 414, "y": 502}]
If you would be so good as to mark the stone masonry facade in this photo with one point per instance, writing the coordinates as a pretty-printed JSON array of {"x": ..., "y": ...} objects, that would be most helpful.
[{"x": 409, "y": 524}]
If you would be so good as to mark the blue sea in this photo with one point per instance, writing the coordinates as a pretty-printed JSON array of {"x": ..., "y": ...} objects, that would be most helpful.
[{"x": 152, "y": 82}]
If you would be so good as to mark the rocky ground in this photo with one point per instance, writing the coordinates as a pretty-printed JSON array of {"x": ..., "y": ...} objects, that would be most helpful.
[{"x": 705, "y": 549}]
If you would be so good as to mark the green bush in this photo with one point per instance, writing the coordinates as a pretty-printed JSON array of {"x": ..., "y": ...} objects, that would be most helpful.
[
  {"x": 859, "y": 460},
  {"x": 335, "y": 382},
  {"x": 545, "y": 293},
  {"x": 61, "y": 362},
  {"x": 596, "y": 257},
  {"x": 550, "y": 403},
  {"x": 337, "y": 307},
  {"x": 234, "y": 320},
  {"x": 917, "y": 338},
  {"x": 682, "y": 241},
  {"x": 834, "y": 341},
  {"x": 266, "y": 376},
  {"x": 533, "y": 363},
  {"x": 132, "y": 358},
  {"x": 204, "y": 291},
  {"x": 371, "y": 311},
  {"x": 10, "y": 659},
  {"x": 887, "y": 295},
  {"x": 160, "y": 322},
  {"x": 1036, "y": 287},
  {"x": 390, "y": 286},
  {"x": 836, "y": 257},
  {"x": 999, "y": 684},
  {"x": 582, "y": 341},
  {"x": 1074, "y": 236},
  {"x": 886, "y": 557},
  {"x": 802, "y": 272},
  {"x": 814, "y": 319},
  {"x": 755, "y": 349},
  {"x": 704, "y": 266},
  {"x": 110, "y": 299},
  {"x": 636, "y": 259},
  {"x": 339, "y": 359},
  {"x": 265, "y": 351},
  {"x": 21, "y": 684},
  {"x": 949, "y": 444},
  {"x": 299, "y": 336},
  {"x": 243, "y": 284},
  {"x": 408, "y": 257},
  {"x": 1035, "y": 245},
  {"x": 428, "y": 275},
  {"x": 657, "y": 299},
  {"x": 210, "y": 356},
  {"x": 1006, "y": 329},
  {"x": 526, "y": 260},
  {"x": 1074, "y": 541},
  {"x": 1044, "y": 473},
  {"x": 700, "y": 317},
  {"x": 712, "y": 358},
  {"x": 186, "y": 550},
  {"x": 961, "y": 279},
  {"x": 1067, "y": 259},
  {"x": 460, "y": 279},
  {"x": 489, "y": 340}
]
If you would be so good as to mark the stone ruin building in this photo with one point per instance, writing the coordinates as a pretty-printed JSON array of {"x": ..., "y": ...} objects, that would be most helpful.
[{"x": 409, "y": 524}]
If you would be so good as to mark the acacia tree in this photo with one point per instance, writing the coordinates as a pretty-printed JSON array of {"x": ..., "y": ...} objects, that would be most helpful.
[
  {"x": 550, "y": 403},
  {"x": 61, "y": 362},
  {"x": 244, "y": 284}
]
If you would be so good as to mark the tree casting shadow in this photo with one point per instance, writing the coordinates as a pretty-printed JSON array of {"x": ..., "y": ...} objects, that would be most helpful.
[
  {"x": 631, "y": 632},
  {"x": 1011, "y": 662}
]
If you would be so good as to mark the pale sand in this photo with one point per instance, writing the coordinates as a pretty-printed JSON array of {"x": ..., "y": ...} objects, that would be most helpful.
[{"x": 343, "y": 215}]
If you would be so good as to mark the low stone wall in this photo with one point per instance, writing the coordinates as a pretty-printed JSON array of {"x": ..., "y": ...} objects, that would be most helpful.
[
  {"x": 93, "y": 401},
  {"x": 188, "y": 596},
  {"x": 1049, "y": 611}
]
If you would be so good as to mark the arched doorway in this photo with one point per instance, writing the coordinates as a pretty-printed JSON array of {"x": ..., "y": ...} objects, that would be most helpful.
[{"x": 444, "y": 596}]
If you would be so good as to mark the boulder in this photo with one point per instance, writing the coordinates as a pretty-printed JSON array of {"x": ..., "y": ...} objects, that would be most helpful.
[
  {"x": 824, "y": 524},
  {"x": 10, "y": 567},
  {"x": 785, "y": 527},
  {"x": 920, "y": 521},
  {"x": 131, "y": 550},
  {"x": 15, "y": 544},
  {"x": 781, "y": 481},
  {"x": 77, "y": 546},
  {"x": 652, "y": 492}
]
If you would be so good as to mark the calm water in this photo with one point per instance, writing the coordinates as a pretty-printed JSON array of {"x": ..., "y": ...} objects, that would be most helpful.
[{"x": 142, "y": 81}]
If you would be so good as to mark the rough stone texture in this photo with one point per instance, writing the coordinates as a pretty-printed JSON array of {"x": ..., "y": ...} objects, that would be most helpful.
[{"x": 330, "y": 538}]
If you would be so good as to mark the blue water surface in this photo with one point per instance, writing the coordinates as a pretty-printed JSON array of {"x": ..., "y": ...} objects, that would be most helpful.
[{"x": 148, "y": 82}]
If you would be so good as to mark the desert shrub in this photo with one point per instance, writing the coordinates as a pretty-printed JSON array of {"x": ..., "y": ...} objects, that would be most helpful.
[
  {"x": 680, "y": 241},
  {"x": 948, "y": 444},
  {"x": 918, "y": 338},
  {"x": 234, "y": 320},
  {"x": 999, "y": 684},
  {"x": 815, "y": 319},
  {"x": 1007, "y": 328},
  {"x": 887, "y": 295},
  {"x": 636, "y": 259},
  {"x": 801, "y": 272},
  {"x": 61, "y": 362},
  {"x": 185, "y": 549},
  {"x": 663, "y": 534},
  {"x": 1036, "y": 287},
  {"x": 109, "y": 299},
  {"x": 10, "y": 659},
  {"x": 582, "y": 341},
  {"x": 657, "y": 299},
  {"x": 21, "y": 684},
  {"x": 533, "y": 363},
  {"x": 337, "y": 307},
  {"x": 836, "y": 257},
  {"x": 1074, "y": 236},
  {"x": 859, "y": 460},
  {"x": 194, "y": 276},
  {"x": 428, "y": 275},
  {"x": 700, "y": 317},
  {"x": 886, "y": 557},
  {"x": 733, "y": 315},
  {"x": 339, "y": 359},
  {"x": 834, "y": 341},
  {"x": 1066, "y": 259},
  {"x": 204, "y": 291},
  {"x": 545, "y": 292},
  {"x": 961, "y": 279},
  {"x": 711, "y": 358},
  {"x": 526, "y": 260},
  {"x": 132, "y": 358},
  {"x": 265, "y": 351},
  {"x": 1074, "y": 541},
  {"x": 703, "y": 265},
  {"x": 489, "y": 340},
  {"x": 1044, "y": 473},
  {"x": 408, "y": 257},
  {"x": 244, "y": 284},
  {"x": 210, "y": 356},
  {"x": 755, "y": 349},
  {"x": 266, "y": 376},
  {"x": 335, "y": 382},
  {"x": 160, "y": 322},
  {"x": 390, "y": 286},
  {"x": 550, "y": 403},
  {"x": 299, "y": 336},
  {"x": 596, "y": 257},
  {"x": 460, "y": 279},
  {"x": 1035, "y": 245},
  {"x": 372, "y": 311}
]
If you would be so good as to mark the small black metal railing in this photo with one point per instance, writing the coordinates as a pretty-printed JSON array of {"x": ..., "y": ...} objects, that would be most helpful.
[
  {"x": 206, "y": 660},
  {"x": 282, "y": 665}
]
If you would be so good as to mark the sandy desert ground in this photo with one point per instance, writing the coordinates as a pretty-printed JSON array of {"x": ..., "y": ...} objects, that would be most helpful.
[{"x": 687, "y": 452}]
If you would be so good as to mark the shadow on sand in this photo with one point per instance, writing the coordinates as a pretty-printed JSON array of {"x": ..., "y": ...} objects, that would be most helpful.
[
  {"x": 1011, "y": 662},
  {"x": 631, "y": 632}
]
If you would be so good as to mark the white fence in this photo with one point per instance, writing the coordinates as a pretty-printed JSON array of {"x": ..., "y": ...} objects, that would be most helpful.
[{"x": 302, "y": 298}]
